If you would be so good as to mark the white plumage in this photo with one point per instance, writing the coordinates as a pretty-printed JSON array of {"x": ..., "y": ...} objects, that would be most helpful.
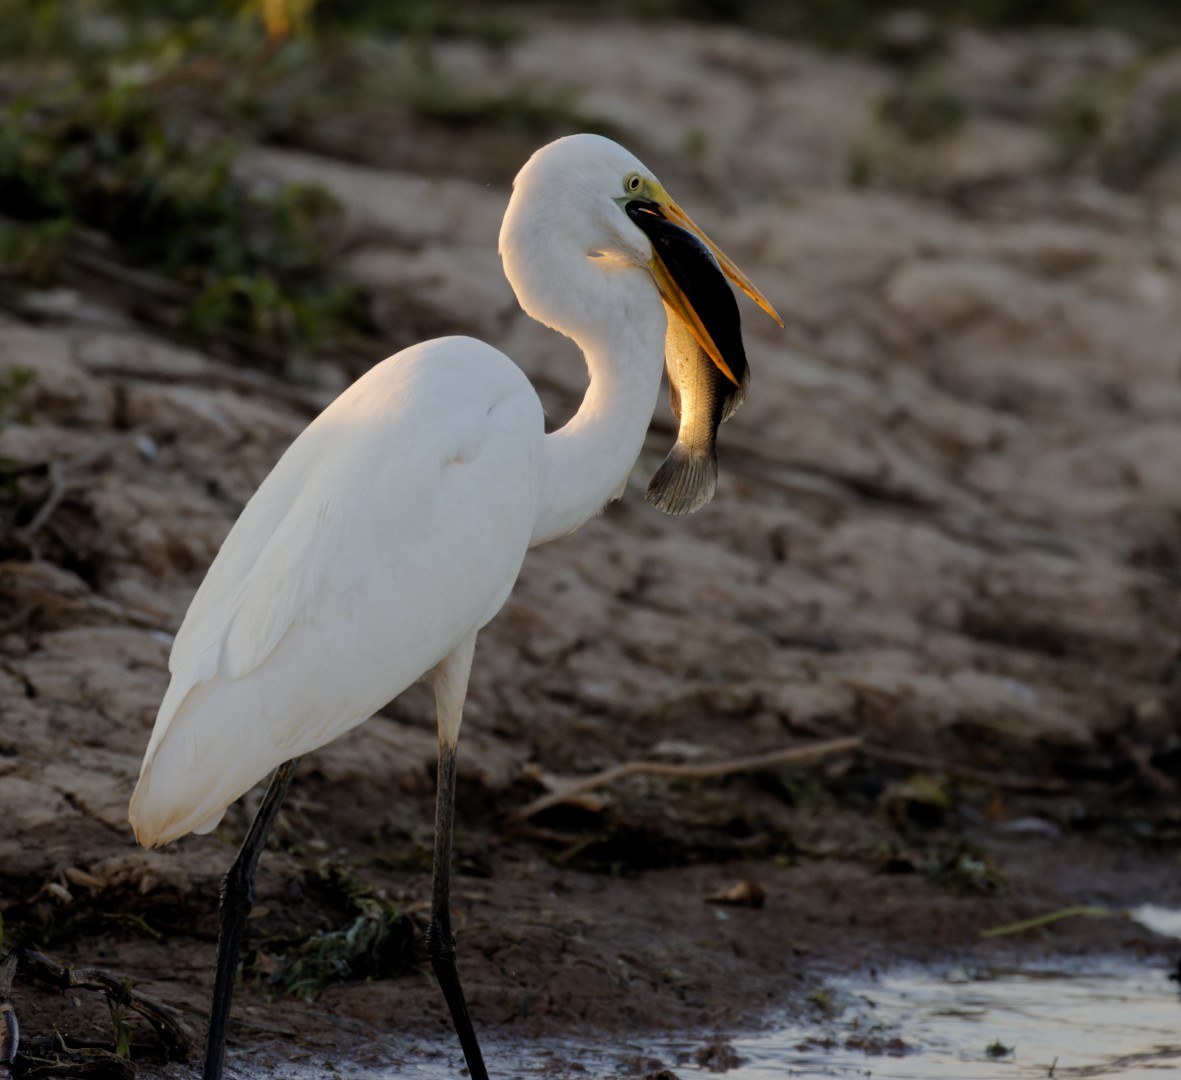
[
  {"x": 390, "y": 531},
  {"x": 393, "y": 528}
]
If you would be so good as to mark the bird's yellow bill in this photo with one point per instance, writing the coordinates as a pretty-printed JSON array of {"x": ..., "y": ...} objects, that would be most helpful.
[
  {"x": 691, "y": 272},
  {"x": 674, "y": 296},
  {"x": 678, "y": 217}
]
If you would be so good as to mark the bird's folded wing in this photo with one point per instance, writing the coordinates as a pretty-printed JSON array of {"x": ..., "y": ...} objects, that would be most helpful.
[{"x": 393, "y": 527}]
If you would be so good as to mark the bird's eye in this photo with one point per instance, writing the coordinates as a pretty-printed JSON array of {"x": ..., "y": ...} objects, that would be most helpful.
[{"x": 632, "y": 182}]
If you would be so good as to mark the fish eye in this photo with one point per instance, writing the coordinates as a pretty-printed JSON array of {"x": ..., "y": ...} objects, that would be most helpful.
[{"x": 632, "y": 182}]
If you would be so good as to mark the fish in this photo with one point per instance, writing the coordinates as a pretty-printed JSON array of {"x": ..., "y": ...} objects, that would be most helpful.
[
  {"x": 702, "y": 399},
  {"x": 700, "y": 394}
]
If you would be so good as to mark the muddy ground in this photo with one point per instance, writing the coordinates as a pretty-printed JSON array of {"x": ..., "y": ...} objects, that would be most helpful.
[{"x": 947, "y": 524}]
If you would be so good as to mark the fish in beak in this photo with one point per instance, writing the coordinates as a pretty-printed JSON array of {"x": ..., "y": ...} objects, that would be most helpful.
[
  {"x": 704, "y": 354},
  {"x": 702, "y": 398},
  {"x": 691, "y": 277}
]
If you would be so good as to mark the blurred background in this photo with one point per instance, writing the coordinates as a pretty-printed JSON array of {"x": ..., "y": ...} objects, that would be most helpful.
[{"x": 948, "y": 521}]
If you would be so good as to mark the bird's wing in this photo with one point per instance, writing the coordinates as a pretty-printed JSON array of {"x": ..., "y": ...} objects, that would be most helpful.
[{"x": 392, "y": 528}]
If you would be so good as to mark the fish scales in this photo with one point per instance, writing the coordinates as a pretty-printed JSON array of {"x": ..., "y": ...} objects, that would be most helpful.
[{"x": 701, "y": 396}]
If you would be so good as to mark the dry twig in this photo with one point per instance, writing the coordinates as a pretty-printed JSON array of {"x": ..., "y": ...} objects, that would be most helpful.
[
  {"x": 58, "y": 486},
  {"x": 173, "y": 1034},
  {"x": 1157, "y": 780},
  {"x": 1054, "y": 916},
  {"x": 62, "y": 480},
  {"x": 959, "y": 772},
  {"x": 9, "y": 1029},
  {"x": 796, "y": 755}
]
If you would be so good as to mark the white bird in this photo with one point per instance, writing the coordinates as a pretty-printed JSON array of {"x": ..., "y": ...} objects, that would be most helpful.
[{"x": 395, "y": 525}]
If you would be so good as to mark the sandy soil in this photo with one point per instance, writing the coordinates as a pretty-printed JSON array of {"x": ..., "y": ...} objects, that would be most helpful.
[{"x": 947, "y": 523}]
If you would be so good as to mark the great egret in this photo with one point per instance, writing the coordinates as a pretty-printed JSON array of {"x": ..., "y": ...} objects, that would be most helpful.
[{"x": 393, "y": 528}]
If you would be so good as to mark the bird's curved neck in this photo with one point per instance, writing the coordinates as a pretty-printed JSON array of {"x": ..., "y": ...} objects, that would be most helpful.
[{"x": 587, "y": 461}]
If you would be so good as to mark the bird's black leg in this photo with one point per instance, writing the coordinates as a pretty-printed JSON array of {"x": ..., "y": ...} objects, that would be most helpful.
[
  {"x": 440, "y": 943},
  {"x": 237, "y": 898}
]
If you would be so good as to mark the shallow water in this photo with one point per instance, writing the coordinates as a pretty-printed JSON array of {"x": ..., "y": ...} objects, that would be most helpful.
[
  {"x": 1096, "y": 1018},
  {"x": 1114, "y": 1020}
]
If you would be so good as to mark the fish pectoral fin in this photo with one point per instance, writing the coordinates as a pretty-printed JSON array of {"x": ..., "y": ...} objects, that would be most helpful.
[
  {"x": 685, "y": 481},
  {"x": 735, "y": 396}
]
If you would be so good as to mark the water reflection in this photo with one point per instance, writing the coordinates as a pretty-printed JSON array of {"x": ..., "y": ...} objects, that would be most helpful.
[
  {"x": 1113, "y": 1020},
  {"x": 1110, "y": 1018}
]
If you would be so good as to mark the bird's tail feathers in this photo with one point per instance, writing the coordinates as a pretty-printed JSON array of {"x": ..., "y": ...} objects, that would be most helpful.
[{"x": 170, "y": 797}]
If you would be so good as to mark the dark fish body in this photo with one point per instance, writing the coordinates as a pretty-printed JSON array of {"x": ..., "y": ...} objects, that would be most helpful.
[
  {"x": 702, "y": 398},
  {"x": 701, "y": 395}
]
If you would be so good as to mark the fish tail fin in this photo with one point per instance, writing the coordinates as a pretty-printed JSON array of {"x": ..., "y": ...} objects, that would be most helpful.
[{"x": 684, "y": 482}]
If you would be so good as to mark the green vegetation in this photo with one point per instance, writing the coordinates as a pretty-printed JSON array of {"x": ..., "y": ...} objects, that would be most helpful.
[
  {"x": 375, "y": 945},
  {"x": 417, "y": 18},
  {"x": 1118, "y": 124},
  {"x": 854, "y": 24},
  {"x": 119, "y": 117},
  {"x": 123, "y": 123},
  {"x": 117, "y": 130},
  {"x": 378, "y": 942},
  {"x": 839, "y": 24},
  {"x": 102, "y": 156},
  {"x": 122, "y": 1035},
  {"x": 12, "y": 383},
  {"x": 968, "y": 870},
  {"x": 953, "y": 863},
  {"x": 524, "y": 109},
  {"x": 923, "y": 108},
  {"x": 33, "y": 252},
  {"x": 825, "y": 1001},
  {"x": 1039, "y": 921}
]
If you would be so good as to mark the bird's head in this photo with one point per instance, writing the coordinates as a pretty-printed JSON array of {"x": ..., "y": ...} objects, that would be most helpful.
[{"x": 586, "y": 198}]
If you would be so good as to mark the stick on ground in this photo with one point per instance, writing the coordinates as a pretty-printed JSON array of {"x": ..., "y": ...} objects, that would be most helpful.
[{"x": 796, "y": 755}]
